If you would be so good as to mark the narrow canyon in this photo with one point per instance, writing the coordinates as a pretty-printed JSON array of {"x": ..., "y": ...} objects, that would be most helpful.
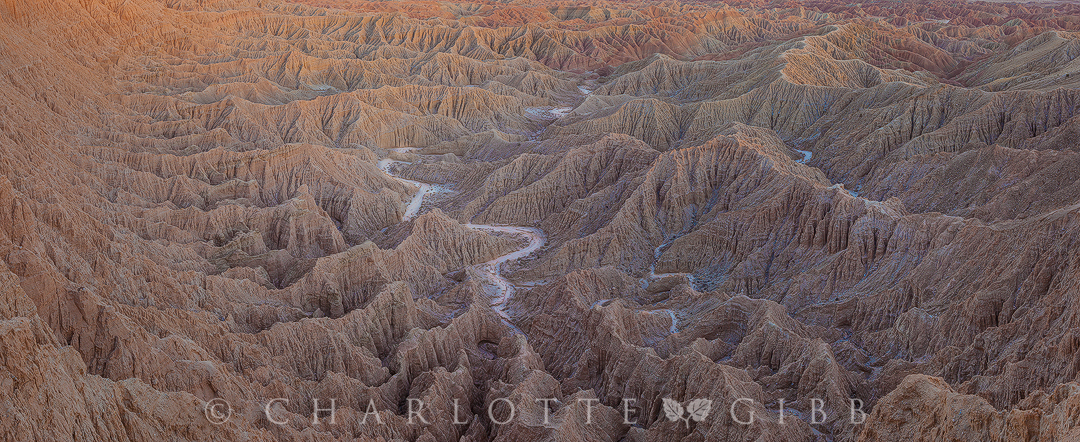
[{"x": 633, "y": 221}]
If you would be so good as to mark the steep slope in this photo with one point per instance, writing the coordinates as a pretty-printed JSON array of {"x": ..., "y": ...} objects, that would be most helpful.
[{"x": 270, "y": 205}]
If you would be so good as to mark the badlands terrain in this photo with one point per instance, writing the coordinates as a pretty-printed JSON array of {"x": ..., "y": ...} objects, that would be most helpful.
[{"x": 219, "y": 215}]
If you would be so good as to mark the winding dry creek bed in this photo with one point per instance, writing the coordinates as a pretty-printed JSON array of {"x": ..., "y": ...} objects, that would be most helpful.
[{"x": 501, "y": 287}]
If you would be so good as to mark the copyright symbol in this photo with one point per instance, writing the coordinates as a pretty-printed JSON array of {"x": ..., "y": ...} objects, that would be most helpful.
[{"x": 217, "y": 411}]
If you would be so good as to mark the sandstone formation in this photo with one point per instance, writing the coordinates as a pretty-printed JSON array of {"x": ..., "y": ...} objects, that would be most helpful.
[{"x": 479, "y": 205}]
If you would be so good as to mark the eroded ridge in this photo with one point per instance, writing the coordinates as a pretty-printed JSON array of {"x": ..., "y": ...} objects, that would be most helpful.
[{"x": 268, "y": 204}]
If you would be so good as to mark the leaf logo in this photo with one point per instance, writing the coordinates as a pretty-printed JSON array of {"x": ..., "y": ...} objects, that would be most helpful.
[{"x": 696, "y": 410}]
